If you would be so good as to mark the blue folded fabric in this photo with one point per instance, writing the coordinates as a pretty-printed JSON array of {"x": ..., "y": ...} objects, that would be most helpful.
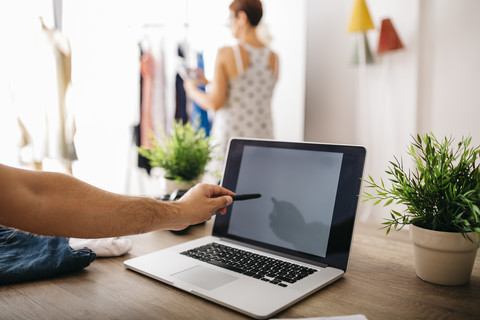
[{"x": 27, "y": 257}]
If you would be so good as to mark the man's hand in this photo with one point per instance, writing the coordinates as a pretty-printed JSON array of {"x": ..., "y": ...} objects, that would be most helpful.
[{"x": 201, "y": 202}]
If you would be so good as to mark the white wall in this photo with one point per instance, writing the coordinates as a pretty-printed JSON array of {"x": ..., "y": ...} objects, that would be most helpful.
[
  {"x": 330, "y": 80},
  {"x": 449, "y": 68},
  {"x": 287, "y": 23},
  {"x": 431, "y": 85}
]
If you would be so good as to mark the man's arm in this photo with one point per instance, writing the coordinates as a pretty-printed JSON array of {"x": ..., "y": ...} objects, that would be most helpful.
[{"x": 57, "y": 204}]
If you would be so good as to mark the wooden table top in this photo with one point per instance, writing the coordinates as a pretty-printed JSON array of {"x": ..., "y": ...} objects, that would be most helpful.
[{"x": 380, "y": 283}]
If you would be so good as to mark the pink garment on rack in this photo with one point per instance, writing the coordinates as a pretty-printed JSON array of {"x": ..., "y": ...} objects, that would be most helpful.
[{"x": 147, "y": 69}]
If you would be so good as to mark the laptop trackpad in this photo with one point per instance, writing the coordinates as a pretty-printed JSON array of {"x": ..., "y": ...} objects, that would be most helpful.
[{"x": 204, "y": 277}]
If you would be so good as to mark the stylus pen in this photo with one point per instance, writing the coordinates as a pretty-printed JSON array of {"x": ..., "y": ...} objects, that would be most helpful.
[{"x": 248, "y": 196}]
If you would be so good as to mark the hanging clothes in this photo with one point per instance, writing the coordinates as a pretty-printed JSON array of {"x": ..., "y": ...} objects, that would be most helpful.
[
  {"x": 66, "y": 131},
  {"x": 199, "y": 117},
  {"x": 153, "y": 113},
  {"x": 45, "y": 116},
  {"x": 159, "y": 87},
  {"x": 147, "y": 69},
  {"x": 180, "y": 95},
  {"x": 137, "y": 133}
]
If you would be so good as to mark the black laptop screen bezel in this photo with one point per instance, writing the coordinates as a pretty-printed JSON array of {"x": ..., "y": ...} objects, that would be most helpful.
[{"x": 345, "y": 207}]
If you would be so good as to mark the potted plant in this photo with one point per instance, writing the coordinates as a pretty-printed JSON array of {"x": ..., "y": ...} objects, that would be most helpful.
[
  {"x": 182, "y": 155},
  {"x": 441, "y": 197}
]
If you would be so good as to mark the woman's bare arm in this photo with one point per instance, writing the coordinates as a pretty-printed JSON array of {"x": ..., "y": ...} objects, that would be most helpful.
[{"x": 215, "y": 98}]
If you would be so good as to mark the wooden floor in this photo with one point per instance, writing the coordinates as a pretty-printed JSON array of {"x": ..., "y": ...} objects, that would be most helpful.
[{"x": 379, "y": 283}]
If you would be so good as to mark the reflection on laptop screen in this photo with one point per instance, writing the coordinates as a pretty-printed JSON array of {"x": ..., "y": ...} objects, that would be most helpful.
[{"x": 298, "y": 189}]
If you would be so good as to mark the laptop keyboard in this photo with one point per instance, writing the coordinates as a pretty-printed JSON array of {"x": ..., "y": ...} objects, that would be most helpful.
[{"x": 267, "y": 269}]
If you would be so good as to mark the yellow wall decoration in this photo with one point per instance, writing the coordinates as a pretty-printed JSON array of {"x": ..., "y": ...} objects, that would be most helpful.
[{"x": 360, "y": 19}]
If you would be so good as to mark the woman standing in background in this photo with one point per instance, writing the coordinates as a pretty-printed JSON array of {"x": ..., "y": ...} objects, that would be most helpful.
[{"x": 241, "y": 90}]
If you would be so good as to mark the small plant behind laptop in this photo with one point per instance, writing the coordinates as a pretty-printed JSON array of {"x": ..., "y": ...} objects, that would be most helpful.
[
  {"x": 442, "y": 199},
  {"x": 183, "y": 155}
]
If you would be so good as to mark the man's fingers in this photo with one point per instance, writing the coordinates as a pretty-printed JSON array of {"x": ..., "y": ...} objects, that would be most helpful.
[
  {"x": 222, "y": 202},
  {"x": 220, "y": 191}
]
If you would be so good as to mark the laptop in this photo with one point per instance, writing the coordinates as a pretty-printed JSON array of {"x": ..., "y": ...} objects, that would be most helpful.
[{"x": 266, "y": 254}]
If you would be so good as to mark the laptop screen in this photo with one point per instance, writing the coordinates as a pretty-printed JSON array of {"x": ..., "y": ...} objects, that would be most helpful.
[{"x": 309, "y": 193}]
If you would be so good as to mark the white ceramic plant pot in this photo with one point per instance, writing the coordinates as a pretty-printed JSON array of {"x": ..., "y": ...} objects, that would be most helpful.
[
  {"x": 444, "y": 258},
  {"x": 167, "y": 186},
  {"x": 170, "y": 186}
]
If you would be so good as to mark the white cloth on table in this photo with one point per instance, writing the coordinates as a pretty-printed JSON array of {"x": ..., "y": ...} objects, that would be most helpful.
[{"x": 104, "y": 247}]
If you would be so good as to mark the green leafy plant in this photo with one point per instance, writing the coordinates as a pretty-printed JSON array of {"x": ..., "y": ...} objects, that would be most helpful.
[
  {"x": 183, "y": 155},
  {"x": 443, "y": 191}
]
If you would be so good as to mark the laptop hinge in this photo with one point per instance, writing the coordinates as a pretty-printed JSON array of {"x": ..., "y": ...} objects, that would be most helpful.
[{"x": 281, "y": 254}]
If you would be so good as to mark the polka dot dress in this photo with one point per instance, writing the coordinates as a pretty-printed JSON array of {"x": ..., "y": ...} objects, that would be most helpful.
[{"x": 247, "y": 111}]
